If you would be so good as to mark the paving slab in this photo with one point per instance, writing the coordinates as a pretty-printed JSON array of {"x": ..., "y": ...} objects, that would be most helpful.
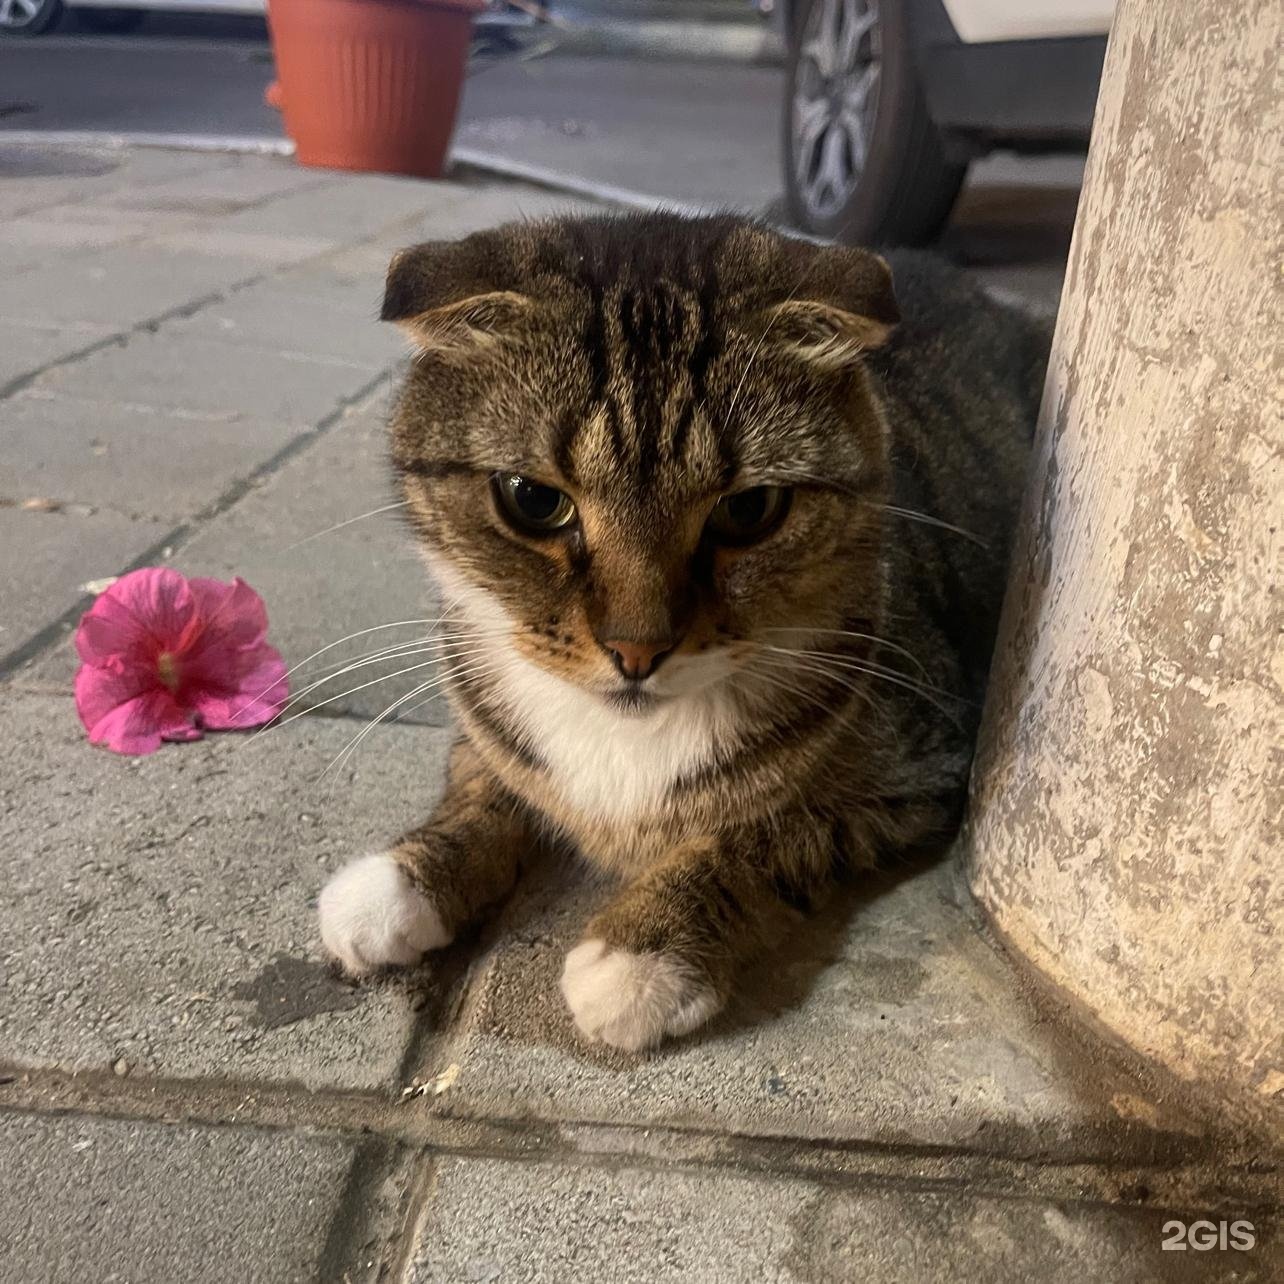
[
  {"x": 35, "y": 178},
  {"x": 272, "y": 250},
  {"x": 31, "y": 241},
  {"x": 158, "y": 911},
  {"x": 322, "y": 312},
  {"x": 543, "y": 1223},
  {"x": 123, "y": 286},
  {"x": 142, "y": 166},
  {"x": 207, "y": 379},
  {"x": 889, "y": 1019},
  {"x": 461, "y": 208},
  {"x": 46, "y": 558},
  {"x": 93, "y": 1200},
  {"x": 487, "y": 206},
  {"x": 28, "y": 184},
  {"x": 133, "y": 459},
  {"x": 91, "y": 211},
  {"x": 242, "y": 182},
  {"x": 27, "y": 348},
  {"x": 348, "y": 208}
]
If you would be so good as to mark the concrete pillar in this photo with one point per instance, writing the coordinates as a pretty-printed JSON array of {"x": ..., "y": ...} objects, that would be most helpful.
[{"x": 1125, "y": 828}]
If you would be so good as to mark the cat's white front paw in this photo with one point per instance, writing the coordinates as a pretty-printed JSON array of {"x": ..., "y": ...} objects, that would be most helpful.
[
  {"x": 371, "y": 916},
  {"x": 632, "y": 1001}
]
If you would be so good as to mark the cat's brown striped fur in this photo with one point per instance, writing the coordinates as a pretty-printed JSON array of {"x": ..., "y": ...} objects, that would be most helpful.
[{"x": 819, "y": 703}]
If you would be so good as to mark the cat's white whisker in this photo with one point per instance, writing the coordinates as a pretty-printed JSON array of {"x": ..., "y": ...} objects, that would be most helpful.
[
  {"x": 347, "y": 664},
  {"x": 294, "y": 668},
  {"x": 433, "y": 683},
  {"x": 925, "y": 690},
  {"x": 805, "y": 668},
  {"x": 865, "y": 666},
  {"x": 379, "y": 654},
  {"x": 504, "y": 665},
  {"x": 338, "y": 526},
  {"x": 445, "y": 640},
  {"x": 831, "y": 663},
  {"x": 395, "y": 624},
  {"x": 771, "y": 676},
  {"x": 849, "y": 633},
  {"x": 321, "y": 704},
  {"x": 437, "y": 647},
  {"x": 927, "y": 519}
]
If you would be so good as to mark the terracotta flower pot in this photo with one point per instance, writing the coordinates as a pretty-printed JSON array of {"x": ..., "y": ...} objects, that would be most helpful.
[{"x": 371, "y": 84}]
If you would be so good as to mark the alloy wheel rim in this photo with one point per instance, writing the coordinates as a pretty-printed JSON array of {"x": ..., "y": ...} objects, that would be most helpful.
[
  {"x": 18, "y": 13},
  {"x": 835, "y": 98}
]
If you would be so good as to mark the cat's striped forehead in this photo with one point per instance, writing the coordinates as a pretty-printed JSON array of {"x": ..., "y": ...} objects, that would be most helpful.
[
  {"x": 648, "y": 350},
  {"x": 635, "y": 355}
]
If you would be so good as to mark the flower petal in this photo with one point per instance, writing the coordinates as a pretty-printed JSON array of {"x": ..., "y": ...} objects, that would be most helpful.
[
  {"x": 109, "y": 631},
  {"x": 140, "y": 615},
  {"x": 160, "y": 597},
  {"x": 232, "y": 615},
  {"x": 252, "y": 696},
  {"x": 100, "y": 690},
  {"x": 139, "y": 725}
]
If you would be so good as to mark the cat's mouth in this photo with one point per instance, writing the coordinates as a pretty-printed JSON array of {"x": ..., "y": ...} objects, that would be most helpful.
[{"x": 632, "y": 699}]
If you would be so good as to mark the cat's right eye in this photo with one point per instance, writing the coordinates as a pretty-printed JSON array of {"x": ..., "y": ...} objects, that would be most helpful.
[
  {"x": 530, "y": 506},
  {"x": 748, "y": 515}
]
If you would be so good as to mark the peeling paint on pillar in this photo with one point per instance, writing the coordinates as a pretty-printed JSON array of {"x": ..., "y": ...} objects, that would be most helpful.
[{"x": 1125, "y": 830}]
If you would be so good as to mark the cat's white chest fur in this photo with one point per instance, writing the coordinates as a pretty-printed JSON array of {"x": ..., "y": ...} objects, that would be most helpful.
[{"x": 609, "y": 764}]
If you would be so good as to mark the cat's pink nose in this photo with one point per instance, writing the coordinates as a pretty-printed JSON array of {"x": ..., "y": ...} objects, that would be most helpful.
[{"x": 637, "y": 660}]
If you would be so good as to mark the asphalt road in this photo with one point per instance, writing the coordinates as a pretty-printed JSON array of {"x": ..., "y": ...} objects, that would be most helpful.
[
  {"x": 149, "y": 83},
  {"x": 175, "y": 75},
  {"x": 704, "y": 133}
]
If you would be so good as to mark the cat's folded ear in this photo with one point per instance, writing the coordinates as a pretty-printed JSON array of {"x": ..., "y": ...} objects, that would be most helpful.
[
  {"x": 445, "y": 300},
  {"x": 843, "y": 306}
]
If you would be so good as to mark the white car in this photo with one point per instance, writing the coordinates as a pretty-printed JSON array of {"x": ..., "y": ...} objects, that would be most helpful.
[
  {"x": 887, "y": 101},
  {"x": 34, "y": 17}
]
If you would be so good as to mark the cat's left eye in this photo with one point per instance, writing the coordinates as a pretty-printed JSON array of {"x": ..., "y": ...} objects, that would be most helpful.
[
  {"x": 748, "y": 515},
  {"x": 531, "y": 506}
]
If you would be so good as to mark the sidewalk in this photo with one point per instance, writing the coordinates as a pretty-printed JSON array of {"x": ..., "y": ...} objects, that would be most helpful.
[{"x": 191, "y": 372}]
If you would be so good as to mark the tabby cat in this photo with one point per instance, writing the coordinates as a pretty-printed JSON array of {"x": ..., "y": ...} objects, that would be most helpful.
[{"x": 721, "y": 523}]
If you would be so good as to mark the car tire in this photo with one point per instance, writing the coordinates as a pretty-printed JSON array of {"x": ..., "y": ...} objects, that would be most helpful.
[
  {"x": 864, "y": 162},
  {"x": 110, "y": 22},
  {"x": 28, "y": 17}
]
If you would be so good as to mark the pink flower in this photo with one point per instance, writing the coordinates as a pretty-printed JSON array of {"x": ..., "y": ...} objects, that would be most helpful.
[{"x": 166, "y": 658}]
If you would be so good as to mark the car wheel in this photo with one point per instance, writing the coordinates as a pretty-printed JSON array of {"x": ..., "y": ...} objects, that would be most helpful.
[
  {"x": 110, "y": 22},
  {"x": 864, "y": 162},
  {"x": 28, "y": 17}
]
